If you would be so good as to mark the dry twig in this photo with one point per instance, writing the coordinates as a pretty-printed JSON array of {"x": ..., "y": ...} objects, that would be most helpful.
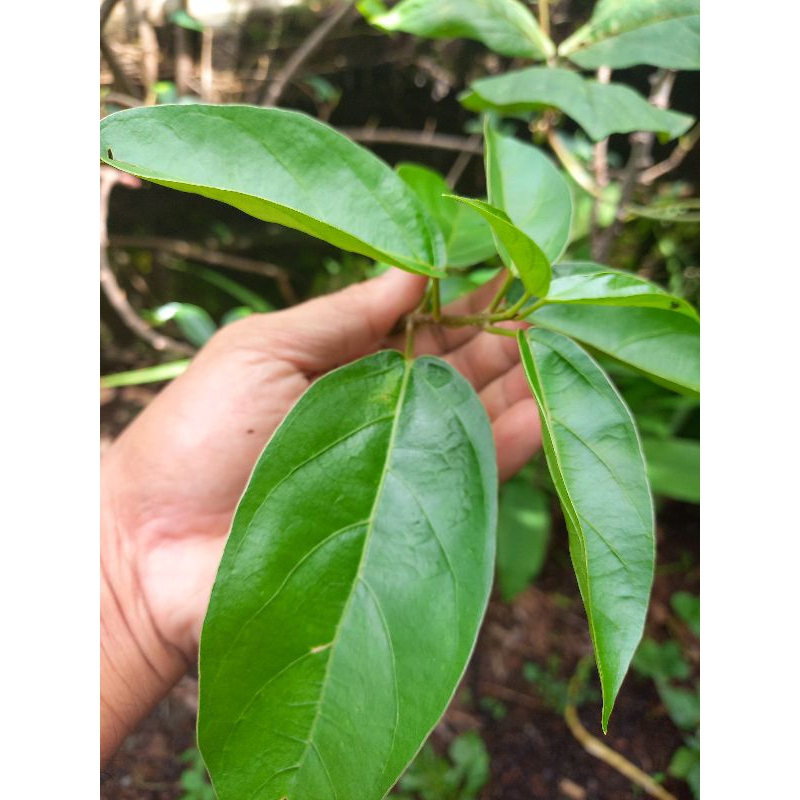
[
  {"x": 439, "y": 141},
  {"x": 275, "y": 89}
]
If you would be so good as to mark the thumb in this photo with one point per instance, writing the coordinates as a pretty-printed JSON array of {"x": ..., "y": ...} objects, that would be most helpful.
[{"x": 337, "y": 328}]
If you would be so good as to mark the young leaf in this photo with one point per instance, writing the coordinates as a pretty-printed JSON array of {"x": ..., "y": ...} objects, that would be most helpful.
[
  {"x": 278, "y": 166},
  {"x": 468, "y": 239},
  {"x": 352, "y": 586},
  {"x": 660, "y": 344},
  {"x": 599, "y": 108},
  {"x": 519, "y": 252},
  {"x": 598, "y": 285},
  {"x": 193, "y": 322},
  {"x": 687, "y": 607},
  {"x": 674, "y": 468},
  {"x": 525, "y": 184},
  {"x": 523, "y": 533},
  {"x": 505, "y": 26},
  {"x": 595, "y": 459},
  {"x": 624, "y": 33}
]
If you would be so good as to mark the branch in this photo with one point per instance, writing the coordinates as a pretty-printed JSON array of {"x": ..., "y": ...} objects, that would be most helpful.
[
  {"x": 600, "y": 167},
  {"x": 439, "y": 141},
  {"x": 461, "y": 162},
  {"x": 121, "y": 78},
  {"x": 111, "y": 288},
  {"x": 674, "y": 159},
  {"x": 596, "y": 748},
  {"x": 275, "y": 90},
  {"x": 195, "y": 252}
]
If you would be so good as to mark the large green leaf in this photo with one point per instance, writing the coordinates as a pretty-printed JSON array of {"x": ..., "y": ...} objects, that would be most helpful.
[
  {"x": 599, "y": 108},
  {"x": 525, "y": 183},
  {"x": 674, "y": 467},
  {"x": 468, "y": 239},
  {"x": 505, "y": 26},
  {"x": 595, "y": 458},
  {"x": 523, "y": 533},
  {"x": 520, "y": 253},
  {"x": 352, "y": 587},
  {"x": 279, "y": 166},
  {"x": 623, "y": 33},
  {"x": 660, "y": 344},
  {"x": 594, "y": 284}
]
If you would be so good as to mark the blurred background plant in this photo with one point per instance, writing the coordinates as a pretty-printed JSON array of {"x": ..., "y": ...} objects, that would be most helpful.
[{"x": 176, "y": 267}]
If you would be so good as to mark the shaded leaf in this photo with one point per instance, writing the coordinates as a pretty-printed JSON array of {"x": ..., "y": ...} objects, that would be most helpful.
[
  {"x": 660, "y": 344},
  {"x": 193, "y": 322},
  {"x": 519, "y": 252},
  {"x": 525, "y": 183},
  {"x": 505, "y": 26},
  {"x": 674, "y": 468},
  {"x": 683, "y": 705},
  {"x": 661, "y": 662},
  {"x": 468, "y": 239},
  {"x": 594, "y": 284},
  {"x": 523, "y": 534},
  {"x": 687, "y": 607},
  {"x": 624, "y": 33},
  {"x": 685, "y": 764},
  {"x": 352, "y": 586},
  {"x": 278, "y": 166},
  {"x": 455, "y": 286},
  {"x": 600, "y": 109},
  {"x": 595, "y": 459}
]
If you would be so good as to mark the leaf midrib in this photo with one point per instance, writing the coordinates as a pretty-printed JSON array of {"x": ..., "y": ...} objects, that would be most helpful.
[{"x": 408, "y": 366}]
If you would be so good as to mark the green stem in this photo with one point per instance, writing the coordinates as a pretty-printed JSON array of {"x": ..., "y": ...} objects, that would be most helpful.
[
  {"x": 511, "y": 312},
  {"x": 544, "y": 16},
  {"x": 410, "y": 330},
  {"x": 501, "y": 293},
  {"x": 436, "y": 301},
  {"x": 500, "y": 331}
]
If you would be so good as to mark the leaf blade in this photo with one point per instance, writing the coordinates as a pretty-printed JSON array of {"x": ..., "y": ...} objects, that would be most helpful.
[
  {"x": 527, "y": 186},
  {"x": 594, "y": 455},
  {"x": 599, "y": 108},
  {"x": 505, "y": 26},
  {"x": 380, "y": 552},
  {"x": 520, "y": 253},
  {"x": 278, "y": 166}
]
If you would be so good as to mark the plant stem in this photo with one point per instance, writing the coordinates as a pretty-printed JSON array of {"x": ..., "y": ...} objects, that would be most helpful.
[
  {"x": 511, "y": 312},
  {"x": 410, "y": 330},
  {"x": 500, "y": 331},
  {"x": 501, "y": 292},
  {"x": 436, "y": 300},
  {"x": 544, "y": 16}
]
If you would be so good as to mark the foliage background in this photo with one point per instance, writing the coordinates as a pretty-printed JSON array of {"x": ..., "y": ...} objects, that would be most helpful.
[{"x": 164, "y": 247}]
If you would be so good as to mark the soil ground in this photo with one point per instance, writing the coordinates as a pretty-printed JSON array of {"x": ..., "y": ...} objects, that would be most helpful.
[{"x": 533, "y": 754}]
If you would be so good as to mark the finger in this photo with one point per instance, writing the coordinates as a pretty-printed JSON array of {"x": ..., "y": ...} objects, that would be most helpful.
[
  {"x": 337, "y": 328},
  {"x": 517, "y": 436},
  {"x": 505, "y": 392},
  {"x": 484, "y": 358}
]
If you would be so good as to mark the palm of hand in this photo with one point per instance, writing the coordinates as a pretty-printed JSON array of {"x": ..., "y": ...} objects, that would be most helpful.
[{"x": 185, "y": 461}]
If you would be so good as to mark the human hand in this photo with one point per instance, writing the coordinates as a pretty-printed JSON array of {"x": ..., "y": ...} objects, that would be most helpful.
[{"x": 172, "y": 481}]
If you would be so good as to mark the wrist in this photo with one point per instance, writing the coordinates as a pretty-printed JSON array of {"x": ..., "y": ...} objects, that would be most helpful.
[{"x": 137, "y": 665}]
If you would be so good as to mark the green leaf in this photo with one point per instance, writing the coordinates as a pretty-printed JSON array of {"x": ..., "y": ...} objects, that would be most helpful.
[
  {"x": 471, "y": 763},
  {"x": 193, "y": 322},
  {"x": 687, "y": 607},
  {"x": 519, "y": 252},
  {"x": 599, "y": 108},
  {"x": 660, "y": 344},
  {"x": 594, "y": 284},
  {"x": 468, "y": 239},
  {"x": 685, "y": 764},
  {"x": 183, "y": 19},
  {"x": 683, "y": 705},
  {"x": 352, "y": 586},
  {"x": 455, "y": 286},
  {"x": 624, "y": 33},
  {"x": 235, "y": 314},
  {"x": 278, "y": 166},
  {"x": 505, "y": 26},
  {"x": 674, "y": 468},
  {"x": 595, "y": 459},
  {"x": 526, "y": 184},
  {"x": 523, "y": 533},
  {"x": 235, "y": 289},
  {"x": 134, "y": 377},
  {"x": 661, "y": 662}
]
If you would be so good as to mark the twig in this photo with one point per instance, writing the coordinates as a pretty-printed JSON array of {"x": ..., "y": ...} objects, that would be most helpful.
[
  {"x": 511, "y": 695},
  {"x": 207, "y": 65},
  {"x": 121, "y": 78},
  {"x": 183, "y": 61},
  {"x": 461, "y": 162},
  {"x": 111, "y": 288},
  {"x": 674, "y": 159},
  {"x": 275, "y": 90},
  {"x": 641, "y": 146},
  {"x": 149, "y": 43},
  {"x": 195, "y": 252},
  {"x": 124, "y": 100},
  {"x": 596, "y": 748},
  {"x": 439, "y": 141}
]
